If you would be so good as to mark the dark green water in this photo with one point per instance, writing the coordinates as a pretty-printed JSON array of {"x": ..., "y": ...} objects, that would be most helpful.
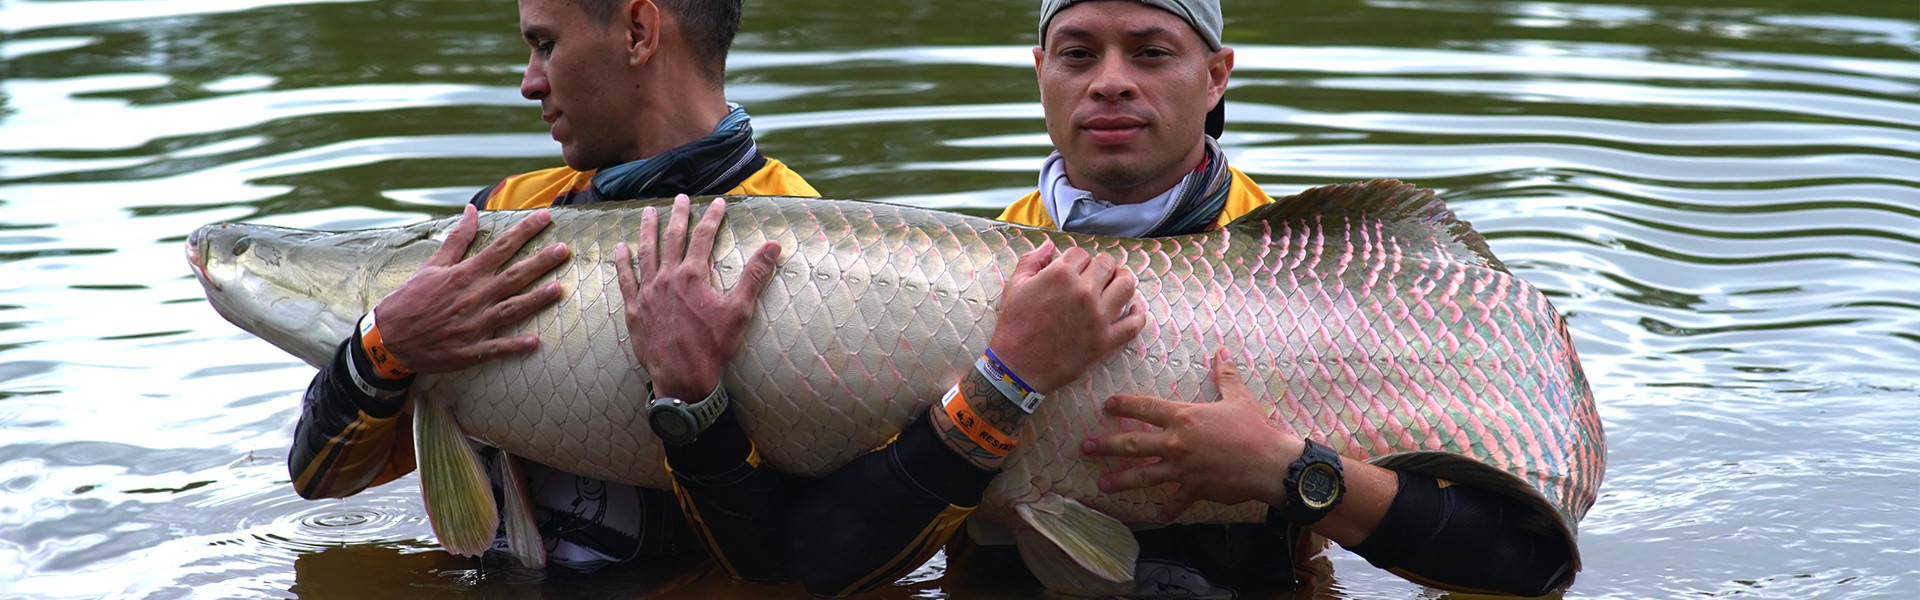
[{"x": 1724, "y": 197}]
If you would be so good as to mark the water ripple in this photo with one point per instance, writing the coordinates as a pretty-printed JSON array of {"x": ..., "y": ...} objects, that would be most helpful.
[{"x": 1723, "y": 200}]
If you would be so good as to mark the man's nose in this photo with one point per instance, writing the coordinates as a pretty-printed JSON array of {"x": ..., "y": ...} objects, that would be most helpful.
[
  {"x": 533, "y": 85},
  {"x": 1113, "y": 79}
]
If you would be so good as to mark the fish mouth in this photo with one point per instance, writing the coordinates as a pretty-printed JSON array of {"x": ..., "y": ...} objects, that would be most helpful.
[{"x": 197, "y": 258}]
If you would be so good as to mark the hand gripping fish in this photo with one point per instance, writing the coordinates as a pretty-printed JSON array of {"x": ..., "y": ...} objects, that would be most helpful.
[{"x": 1363, "y": 314}]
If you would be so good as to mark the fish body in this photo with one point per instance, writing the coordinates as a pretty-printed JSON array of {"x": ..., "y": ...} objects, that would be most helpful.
[{"x": 1365, "y": 316}]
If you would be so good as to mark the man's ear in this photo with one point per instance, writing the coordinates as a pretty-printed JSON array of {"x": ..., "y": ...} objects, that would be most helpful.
[
  {"x": 642, "y": 20},
  {"x": 1039, "y": 53},
  {"x": 1219, "y": 66}
]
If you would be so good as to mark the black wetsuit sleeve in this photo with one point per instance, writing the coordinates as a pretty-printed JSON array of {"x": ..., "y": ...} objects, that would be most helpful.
[
  {"x": 1464, "y": 538},
  {"x": 738, "y": 507},
  {"x": 868, "y": 523},
  {"x": 879, "y": 517},
  {"x": 349, "y": 440}
]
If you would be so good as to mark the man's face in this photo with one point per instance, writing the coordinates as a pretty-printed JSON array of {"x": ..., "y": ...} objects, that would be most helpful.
[
  {"x": 1126, "y": 88},
  {"x": 576, "y": 70}
]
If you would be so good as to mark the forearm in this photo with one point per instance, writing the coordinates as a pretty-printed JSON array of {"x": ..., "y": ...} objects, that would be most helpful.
[
  {"x": 1464, "y": 538},
  {"x": 1448, "y": 536},
  {"x": 978, "y": 421},
  {"x": 348, "y": 439},
  {"x": 1370, "y": 492}
]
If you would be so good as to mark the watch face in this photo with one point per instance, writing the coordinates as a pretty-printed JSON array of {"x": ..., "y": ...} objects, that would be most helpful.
[
  {"x": 1319, "y": 486},
  {"x": 671, "y": 425}
]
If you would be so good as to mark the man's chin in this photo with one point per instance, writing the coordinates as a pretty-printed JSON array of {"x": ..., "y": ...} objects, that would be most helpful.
[
  {"x": 577, "y": 160},
  {"x": 1115, "y": 172}
]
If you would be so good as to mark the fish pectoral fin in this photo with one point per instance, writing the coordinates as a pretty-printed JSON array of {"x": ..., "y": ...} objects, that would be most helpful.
[
  {"x": 523, "y": 536},
  {"x": 1070, "y": 542},
  {"x": 454, "y": 486}
]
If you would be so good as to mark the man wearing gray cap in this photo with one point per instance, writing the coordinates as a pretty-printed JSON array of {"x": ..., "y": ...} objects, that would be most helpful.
[
  {"x": 1124, "y": 85},
  {"x": 1131, "y": 91}
]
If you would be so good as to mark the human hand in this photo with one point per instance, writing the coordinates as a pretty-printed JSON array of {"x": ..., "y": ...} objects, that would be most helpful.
[
  {"x": 1227, "y": 451},
  {"x": 443, "y": 318},
  {"x": 1060, "y": 314},
  {"x": 683, "y": 330}
]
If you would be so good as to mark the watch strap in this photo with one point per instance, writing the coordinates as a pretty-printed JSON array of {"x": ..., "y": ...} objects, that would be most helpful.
[{"x": 708, "y": 409}]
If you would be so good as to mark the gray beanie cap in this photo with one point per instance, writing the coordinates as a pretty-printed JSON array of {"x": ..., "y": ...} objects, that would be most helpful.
[{"x": 1203, "y": 15}]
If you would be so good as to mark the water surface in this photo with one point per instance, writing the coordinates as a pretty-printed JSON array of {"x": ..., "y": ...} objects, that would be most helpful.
[{"x": 1722, "y": 195}]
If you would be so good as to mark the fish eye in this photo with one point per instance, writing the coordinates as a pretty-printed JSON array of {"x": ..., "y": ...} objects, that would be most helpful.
[{"x": 241, "y": 245}]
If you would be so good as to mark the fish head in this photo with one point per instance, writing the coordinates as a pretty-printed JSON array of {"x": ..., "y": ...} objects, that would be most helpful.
[{"x": 294, "y": 288}]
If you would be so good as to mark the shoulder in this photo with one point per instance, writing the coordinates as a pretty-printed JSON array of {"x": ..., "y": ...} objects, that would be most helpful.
[
  {"x": 1028, "y": 211},
  {"x": 1242, "y": 197},
  {"x": 534, "y": 189},
  {"x": 775, "y": 179}
]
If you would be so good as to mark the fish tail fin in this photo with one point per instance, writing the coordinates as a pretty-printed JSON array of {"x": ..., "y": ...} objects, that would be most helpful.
[
  {"x": 523, "y": 536},
  {"x": 1076, "y": 549},
  {"x": 459, "y": 500}
]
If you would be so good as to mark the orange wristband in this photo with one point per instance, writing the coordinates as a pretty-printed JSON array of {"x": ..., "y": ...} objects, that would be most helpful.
[
  {"x": 384, "y": 364},
  {"x": 961, "y": 412}
]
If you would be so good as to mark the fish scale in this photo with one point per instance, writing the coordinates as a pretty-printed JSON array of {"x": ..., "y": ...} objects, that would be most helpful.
[{"x": 1366, "y": 317}]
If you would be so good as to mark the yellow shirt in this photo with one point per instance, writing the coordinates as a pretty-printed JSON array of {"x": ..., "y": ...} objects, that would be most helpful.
[
  {"x": 1243, "y": 196},
  {"x": 545, "y": 187}
]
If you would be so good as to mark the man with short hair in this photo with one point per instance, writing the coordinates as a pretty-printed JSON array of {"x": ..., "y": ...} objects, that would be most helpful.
[
  {"x": 1124, "y": 85},
  {"x": 1133, "y": 93},
  {"x": 634, "y": 92}
]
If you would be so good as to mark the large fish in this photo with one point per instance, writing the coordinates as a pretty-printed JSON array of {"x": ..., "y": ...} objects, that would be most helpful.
[{"x": 1365, "y": 315}]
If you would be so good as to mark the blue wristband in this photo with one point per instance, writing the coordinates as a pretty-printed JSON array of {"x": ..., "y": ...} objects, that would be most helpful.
[
  {"x": 1009, "y": 384},
  {"x": 1002, "y": 367}
]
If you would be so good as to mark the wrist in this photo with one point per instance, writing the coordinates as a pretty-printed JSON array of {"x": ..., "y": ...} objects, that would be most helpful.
[
  {"x": 977, "y": 422},
  {"x": 679, "y": 420},
  {"x": 1028, "y": 367},
  {"x": 661, "y": 390},
  {"x": 365, "y": 374},
  {"x": 1008, "y": 382},
  {"x": 373, "y": 345},
  {"x": 675, "y": 384},
  {"x": 1315, "y": 483},
  {"x": 1273, "y": 466}
]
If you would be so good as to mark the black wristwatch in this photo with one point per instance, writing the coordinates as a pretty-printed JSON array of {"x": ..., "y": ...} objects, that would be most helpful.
[
  {"x": 679, "y": 423},
  {"x": 1315, "y": 484}
]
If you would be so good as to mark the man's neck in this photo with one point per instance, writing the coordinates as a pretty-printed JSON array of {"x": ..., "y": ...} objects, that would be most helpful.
[
  {"x": 1143, "y": 191},
  {"x": 669, "y": 124},
  {"x": 676, "y": 105}
]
